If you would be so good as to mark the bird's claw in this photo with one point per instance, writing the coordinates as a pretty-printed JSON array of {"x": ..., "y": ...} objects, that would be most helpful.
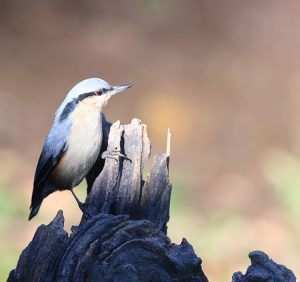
[
  {"x": 86, "y": 214},
  {"x": 115, "y": 155},
  {"x": 83, "y": 208}
]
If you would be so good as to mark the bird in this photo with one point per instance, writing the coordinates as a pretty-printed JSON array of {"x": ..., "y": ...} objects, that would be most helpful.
[{"x": 74, "y": 141}]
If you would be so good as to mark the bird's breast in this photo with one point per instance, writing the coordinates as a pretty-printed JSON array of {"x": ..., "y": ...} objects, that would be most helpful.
[{"x": 84, "y": 145}]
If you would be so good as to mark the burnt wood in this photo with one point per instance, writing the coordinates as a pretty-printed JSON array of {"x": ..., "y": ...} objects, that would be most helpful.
[
  {"x": 126, "y": 237},
  {"x": 262, "y": 268}
]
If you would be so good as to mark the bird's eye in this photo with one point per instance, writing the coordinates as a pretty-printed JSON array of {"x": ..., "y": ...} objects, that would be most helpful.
[{"x": 99, "y": 92}]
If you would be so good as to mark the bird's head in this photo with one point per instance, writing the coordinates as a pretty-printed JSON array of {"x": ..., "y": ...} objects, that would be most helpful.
[{"x": 94, "y": 92}]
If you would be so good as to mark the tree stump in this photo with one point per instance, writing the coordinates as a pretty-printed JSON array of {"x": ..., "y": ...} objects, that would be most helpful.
[{"x": 126, "y": 238}]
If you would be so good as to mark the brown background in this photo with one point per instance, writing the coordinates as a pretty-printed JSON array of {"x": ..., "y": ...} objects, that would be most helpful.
[{"x": 223, "y": 75}]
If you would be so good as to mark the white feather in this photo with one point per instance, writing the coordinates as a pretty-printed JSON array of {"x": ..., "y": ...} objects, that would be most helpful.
[{"x": 84, "y": 145}]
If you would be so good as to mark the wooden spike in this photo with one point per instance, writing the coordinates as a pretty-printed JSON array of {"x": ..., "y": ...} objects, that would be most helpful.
[{"x": 168, "y": 150}]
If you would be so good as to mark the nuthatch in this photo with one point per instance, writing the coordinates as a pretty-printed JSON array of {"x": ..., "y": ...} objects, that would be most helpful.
[{"x": 74, "y": 141}]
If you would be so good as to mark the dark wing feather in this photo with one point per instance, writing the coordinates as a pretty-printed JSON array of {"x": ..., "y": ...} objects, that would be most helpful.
[
  {"x": 47, "y": 162},
  {"x": 53, "y": 150},
  {"x": 99, "y": 164}
]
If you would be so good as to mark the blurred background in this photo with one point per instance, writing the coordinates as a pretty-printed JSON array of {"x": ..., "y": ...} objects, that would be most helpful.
[{"x": 223, "y": 75}]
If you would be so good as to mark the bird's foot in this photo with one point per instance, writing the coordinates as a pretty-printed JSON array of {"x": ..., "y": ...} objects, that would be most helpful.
[
  {"x": 115, "y": 155},
  {"x": 83, "y": 208}
]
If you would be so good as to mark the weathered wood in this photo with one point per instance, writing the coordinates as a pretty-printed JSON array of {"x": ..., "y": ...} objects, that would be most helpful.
[
  {"x": 106, "y": 248},
  {"x": 43, "y": 254},
  {"x": 126, "y": 239},
  {"x": 120, "y": 189},
  {"x": 265, "y": 270}
]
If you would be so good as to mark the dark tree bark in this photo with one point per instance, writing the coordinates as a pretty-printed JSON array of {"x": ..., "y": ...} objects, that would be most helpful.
[
  {"x": 126, "y": 238},
  {"x": 264, "y": 269},
  {"x": 120, "y": 189}
]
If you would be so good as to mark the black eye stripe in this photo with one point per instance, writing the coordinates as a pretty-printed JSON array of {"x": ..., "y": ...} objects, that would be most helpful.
[
  {"x": 94, "y": 93},
  {"x": 72, "y": 104},
  {"x": 102, "y": 91},
  {"x": 83, "y": 96}
]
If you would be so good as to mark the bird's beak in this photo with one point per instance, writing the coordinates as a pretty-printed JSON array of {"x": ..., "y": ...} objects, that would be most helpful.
[{"x": 119, "y": 88}]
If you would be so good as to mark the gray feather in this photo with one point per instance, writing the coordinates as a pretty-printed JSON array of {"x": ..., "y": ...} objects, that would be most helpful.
[{"x": 54, "y": 148}]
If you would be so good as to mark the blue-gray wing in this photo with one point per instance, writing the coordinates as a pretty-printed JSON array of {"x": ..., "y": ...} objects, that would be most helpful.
[{"x": 53, "y": 150}]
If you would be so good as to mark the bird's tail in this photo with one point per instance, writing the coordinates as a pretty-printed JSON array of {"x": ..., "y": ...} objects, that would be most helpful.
[
  {"x": 34, "y": 209},
  {"x": 38, "y": 195},
  {"x": 40, "y": 192}
]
